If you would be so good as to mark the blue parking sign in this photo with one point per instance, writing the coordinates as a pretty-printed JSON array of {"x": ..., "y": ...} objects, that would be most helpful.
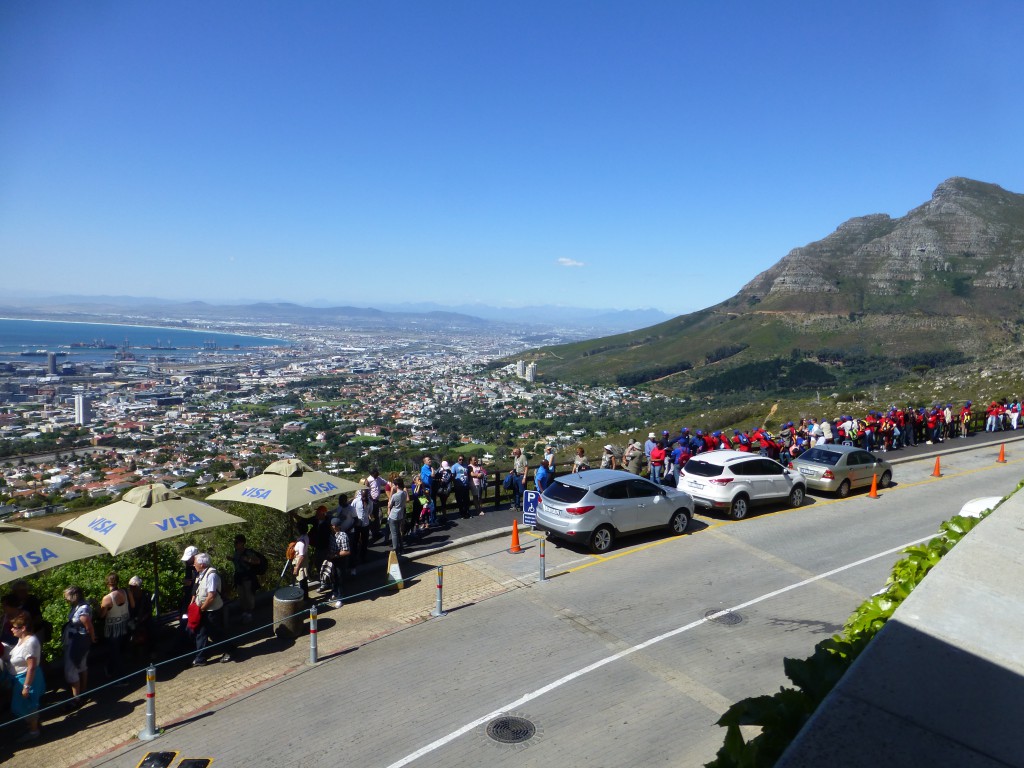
[{"x": 530, "y": 501}]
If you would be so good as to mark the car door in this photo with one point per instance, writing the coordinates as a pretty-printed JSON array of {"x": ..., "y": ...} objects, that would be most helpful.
[
  {"x": 777, "y": 482},
  {"x": 617, "y": 508},
  {"x": 865, "y": 467},
  {"x": 649, "y": 502}
]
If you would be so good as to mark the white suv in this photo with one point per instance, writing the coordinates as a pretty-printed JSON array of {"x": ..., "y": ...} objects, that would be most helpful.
[{"x": 734, "y": 480}]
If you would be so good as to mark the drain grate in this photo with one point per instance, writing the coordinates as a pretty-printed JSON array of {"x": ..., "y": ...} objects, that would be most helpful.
[
  {"x": 727, "y": 618},
  {"x": 509, "y": 729}
]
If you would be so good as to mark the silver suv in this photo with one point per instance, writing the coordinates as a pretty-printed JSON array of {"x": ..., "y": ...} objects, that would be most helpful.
[
  {"x": 595, "y": 506},
  {"x": 735, "y": 480}
]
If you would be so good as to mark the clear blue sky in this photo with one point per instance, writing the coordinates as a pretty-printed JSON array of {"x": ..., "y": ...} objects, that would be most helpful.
[{"x": 610, "y": 154}]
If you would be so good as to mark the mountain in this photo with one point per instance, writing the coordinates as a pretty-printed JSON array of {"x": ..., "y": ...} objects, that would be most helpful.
[
  {"x": 549, "y": 315},
  {"x": 943, "y": 284},
  {"x": 573, "y": 322}
]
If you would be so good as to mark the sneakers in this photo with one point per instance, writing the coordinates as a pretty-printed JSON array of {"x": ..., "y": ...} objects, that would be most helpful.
[
  {"x": 225, "y": 658},
  {"x": 198, "y": 662},
  {"x": 335, "y": 603}
]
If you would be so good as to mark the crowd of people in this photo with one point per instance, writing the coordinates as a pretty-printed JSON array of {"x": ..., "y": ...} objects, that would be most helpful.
[{"x": 661, "y": 458}]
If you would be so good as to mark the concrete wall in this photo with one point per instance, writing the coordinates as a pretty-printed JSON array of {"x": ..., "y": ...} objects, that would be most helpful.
[{"x": 943, "y": 683}]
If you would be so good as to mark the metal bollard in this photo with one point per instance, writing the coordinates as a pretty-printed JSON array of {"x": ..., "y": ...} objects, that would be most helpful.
[
  {"x": 542, "y": 576},
  {"x": 150, "y": 732},
  {"x": 312, "y": 634},
  {"x": 438, "y": 610}
]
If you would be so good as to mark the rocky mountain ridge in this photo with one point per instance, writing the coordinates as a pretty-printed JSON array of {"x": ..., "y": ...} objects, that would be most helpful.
[{"x": 943, "y": 284}]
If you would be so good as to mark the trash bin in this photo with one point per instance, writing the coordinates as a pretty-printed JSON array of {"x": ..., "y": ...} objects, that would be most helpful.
[{"x": 288, "y": 616}]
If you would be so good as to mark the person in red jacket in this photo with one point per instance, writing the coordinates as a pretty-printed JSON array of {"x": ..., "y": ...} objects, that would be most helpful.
[{"x": 657, "y": 459}]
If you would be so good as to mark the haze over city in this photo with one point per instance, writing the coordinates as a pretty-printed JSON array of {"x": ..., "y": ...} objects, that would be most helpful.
[{"x": 610, "y": 154}]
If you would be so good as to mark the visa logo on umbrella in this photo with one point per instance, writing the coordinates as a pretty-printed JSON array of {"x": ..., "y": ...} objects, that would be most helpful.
[
  {"x": 256, "y": 493},
  {"x": 319, "y": 488},
  {"x": 178, "y": 521},
  {"x": 28, "y": 559},
  {"x": 102, "y": 525}
]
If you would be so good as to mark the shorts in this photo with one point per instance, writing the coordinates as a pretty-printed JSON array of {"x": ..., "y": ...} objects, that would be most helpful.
[{"x": 73, "y": 670}]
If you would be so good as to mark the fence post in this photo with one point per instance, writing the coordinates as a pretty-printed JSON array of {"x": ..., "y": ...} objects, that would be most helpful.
[
  {"x": 438, "y": 610},
  {"x": 150, "y": 732},
  {"x": 543, "y": 577},
  {"x": 312, "y": 635}
]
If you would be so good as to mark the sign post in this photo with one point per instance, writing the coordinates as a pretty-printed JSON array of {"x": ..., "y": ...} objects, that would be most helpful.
[{"x": 531, "y": 499}]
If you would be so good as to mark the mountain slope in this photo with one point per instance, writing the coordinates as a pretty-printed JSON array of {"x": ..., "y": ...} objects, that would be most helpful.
[{"x": 942, "y": 284}]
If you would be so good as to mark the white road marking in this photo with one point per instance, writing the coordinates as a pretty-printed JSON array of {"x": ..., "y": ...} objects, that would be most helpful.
[{"x": 526, "y": 698}]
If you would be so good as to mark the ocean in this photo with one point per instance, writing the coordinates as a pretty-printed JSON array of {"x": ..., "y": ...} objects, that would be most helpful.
[{"x": 98, "y": 342}]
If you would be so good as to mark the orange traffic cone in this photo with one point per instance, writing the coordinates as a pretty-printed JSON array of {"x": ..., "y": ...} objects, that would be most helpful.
[
  {"x": 515, "y": 549},
  {"x": 873, "y": 493},
  {"x": 1002, "y": 454},
  {"x": 937, "y": 472}
]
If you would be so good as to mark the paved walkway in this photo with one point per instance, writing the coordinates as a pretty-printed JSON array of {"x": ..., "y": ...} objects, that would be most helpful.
[{"x": 115, "y": 716}]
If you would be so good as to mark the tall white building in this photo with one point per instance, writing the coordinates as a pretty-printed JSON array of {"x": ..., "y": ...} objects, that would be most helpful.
[
  {"x": 521, "y": 368},
  {"x": 83, "y": 410},
  {"x": 531, "y": 372}
]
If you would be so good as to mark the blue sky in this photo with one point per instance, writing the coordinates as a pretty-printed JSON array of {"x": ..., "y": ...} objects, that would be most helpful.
[{"x": 606, "y": 154}]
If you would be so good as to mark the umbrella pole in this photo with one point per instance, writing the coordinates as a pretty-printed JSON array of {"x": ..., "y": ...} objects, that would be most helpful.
[{"x": 156, "y": 581}]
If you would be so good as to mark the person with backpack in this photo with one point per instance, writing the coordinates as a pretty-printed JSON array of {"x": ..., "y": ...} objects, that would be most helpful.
[
  {"x": 443, "y": 480},
  {"x": 247, "y": 570}
]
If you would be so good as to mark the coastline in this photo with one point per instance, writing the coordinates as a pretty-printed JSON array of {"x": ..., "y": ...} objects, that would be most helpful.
[{"x": 145, "y": 327}]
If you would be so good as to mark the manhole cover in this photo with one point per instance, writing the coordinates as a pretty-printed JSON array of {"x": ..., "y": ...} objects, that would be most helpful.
[
  {"x": 728, "y": 618},
  {"x": 511, "y": 730}
]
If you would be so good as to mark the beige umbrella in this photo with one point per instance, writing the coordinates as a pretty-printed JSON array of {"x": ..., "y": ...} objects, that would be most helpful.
[
  {"x": 286, "y": 485},
  {"x": 145, "y": 515},
  {"x": 26, "y": 551}
]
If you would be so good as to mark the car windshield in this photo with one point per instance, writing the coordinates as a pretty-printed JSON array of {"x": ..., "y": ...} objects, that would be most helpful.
[
  {"x": 567, "y": 494},
  {"x": 821, "y": 456},
  {"x": 702, "y": 468}
]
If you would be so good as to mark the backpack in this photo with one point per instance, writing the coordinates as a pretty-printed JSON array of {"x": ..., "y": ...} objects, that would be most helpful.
[
  {"x": 507, "y": 483},
  {"x": 260, "y": 567},
  {"x": 444, "y": 481},
  {"x": 289, "y": 553}
]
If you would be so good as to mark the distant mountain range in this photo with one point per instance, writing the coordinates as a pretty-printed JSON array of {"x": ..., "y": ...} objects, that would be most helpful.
[
  {"x": 579, "y": 323},
  {"x": 943, "y": 284}
]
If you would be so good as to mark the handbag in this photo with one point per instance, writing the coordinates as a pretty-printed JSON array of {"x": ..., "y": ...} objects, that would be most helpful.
[{"x": 195, "y": 615}]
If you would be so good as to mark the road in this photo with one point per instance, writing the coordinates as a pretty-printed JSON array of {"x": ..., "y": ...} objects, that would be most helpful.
[{"x": 612, "y": 660}]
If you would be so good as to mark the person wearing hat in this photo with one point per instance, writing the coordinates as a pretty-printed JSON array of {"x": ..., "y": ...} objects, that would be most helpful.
[
  {"x": 549, "y": 457},
  {"x": 632, "y": 457},
  {"x": 188, "y": 585},
  {"x": 649, "y": 445},
  {"x": 608, "y": 458},
  {"x": 340, "y": 550}
]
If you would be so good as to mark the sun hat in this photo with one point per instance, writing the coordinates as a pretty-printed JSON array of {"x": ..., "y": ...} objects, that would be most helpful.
[
  {"x": 608, "y": 448},
  {"x": 189, "y": 553}
]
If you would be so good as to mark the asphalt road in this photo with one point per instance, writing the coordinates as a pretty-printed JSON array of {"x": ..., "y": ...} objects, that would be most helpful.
[{"x": 613, "y": 660}]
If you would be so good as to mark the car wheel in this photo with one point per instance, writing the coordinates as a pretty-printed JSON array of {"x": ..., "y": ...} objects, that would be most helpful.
[
  {"x": 680, "y": 522},
  {"x": 601, "y": 540},
  {"x": 844, "y": 489},
  {"x": 885, "y": 480},
  {"x": 796, "y": 496},
  {"x": 740, "y": 505}
]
